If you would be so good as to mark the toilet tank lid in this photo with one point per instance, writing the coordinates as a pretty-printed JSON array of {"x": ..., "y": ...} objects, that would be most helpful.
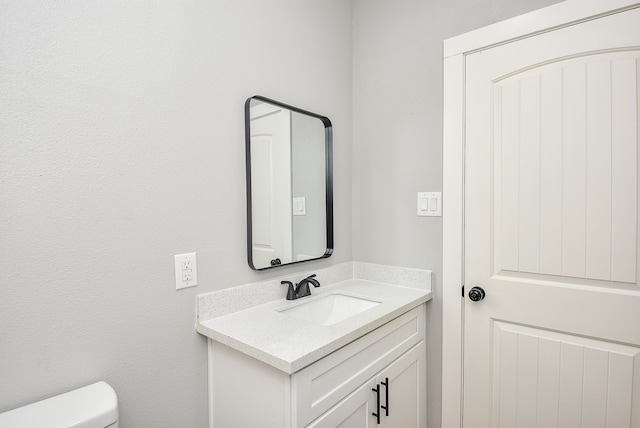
[{"x": 92, "y": 406}]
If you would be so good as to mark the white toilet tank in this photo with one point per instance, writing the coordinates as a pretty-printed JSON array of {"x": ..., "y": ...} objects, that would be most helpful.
[{"x": 94, "y": 406}]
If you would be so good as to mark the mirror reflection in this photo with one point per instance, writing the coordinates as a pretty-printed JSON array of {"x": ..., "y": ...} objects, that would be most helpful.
[{"x": 289, "y": 184}]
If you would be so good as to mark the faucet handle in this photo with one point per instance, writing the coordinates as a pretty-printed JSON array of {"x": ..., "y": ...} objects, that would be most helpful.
[
  {"x": 291, "y": 294},
  {"x": 313, "y": 281}
]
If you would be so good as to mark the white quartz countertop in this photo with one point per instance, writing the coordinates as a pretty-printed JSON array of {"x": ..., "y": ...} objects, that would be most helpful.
[{"x": 290, "y": 344}]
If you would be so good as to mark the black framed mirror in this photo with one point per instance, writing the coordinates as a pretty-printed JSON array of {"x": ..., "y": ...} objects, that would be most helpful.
[{"x": 289, "y": 162}]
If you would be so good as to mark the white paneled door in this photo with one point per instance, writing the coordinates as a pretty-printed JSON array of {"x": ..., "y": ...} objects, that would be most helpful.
[
  {"x": 551, "y": 228},
  {"x": 271, "y": 223}
]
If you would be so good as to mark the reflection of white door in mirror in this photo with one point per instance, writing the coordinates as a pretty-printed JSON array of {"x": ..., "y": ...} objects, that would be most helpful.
[{"x": 271, "y": 184}]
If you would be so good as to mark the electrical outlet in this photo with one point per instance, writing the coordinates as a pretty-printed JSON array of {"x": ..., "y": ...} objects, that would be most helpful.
[{"x": 186, "y": 270}]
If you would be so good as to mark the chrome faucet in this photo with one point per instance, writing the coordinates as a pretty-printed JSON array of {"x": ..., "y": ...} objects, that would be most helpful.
[{"x": 302, "y": 288}]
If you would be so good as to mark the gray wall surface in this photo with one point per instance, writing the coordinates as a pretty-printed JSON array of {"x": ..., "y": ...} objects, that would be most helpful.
[
  {"x": 308, "y": 178},
  {"x": 397, "y": 136},
  {"x": 122, "y": 144}
]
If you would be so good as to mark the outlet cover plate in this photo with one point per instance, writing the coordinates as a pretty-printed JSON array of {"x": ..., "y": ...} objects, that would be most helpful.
[{"x": 186, "y": 270}]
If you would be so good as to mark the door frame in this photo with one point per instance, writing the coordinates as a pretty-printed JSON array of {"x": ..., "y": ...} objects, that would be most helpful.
[{"x": 560, "y": 15}]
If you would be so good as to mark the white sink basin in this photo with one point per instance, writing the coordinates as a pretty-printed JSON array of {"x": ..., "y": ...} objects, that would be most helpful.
[{"x": 330, "y": 309}]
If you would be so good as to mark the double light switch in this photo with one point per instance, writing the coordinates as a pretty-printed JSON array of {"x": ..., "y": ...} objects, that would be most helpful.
[{"x": 430, "y": 204}]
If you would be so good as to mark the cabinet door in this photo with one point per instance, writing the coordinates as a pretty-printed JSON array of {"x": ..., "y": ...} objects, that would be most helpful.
[{"x": 406, "y": 391}]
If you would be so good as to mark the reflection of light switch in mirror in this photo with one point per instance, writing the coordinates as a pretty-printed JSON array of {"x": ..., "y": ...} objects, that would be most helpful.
[
  {"x": 430, "y": 204},
  {"x": 299, "y": 206}
]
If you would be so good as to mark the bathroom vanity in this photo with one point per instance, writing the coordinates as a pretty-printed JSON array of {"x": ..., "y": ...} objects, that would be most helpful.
[{"x": 351, "y": 355}]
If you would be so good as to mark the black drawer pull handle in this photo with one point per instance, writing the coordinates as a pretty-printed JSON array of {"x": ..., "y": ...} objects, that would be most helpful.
[
  {"x": 377, "y": 391},
  {"x": 386, "y": 395}
]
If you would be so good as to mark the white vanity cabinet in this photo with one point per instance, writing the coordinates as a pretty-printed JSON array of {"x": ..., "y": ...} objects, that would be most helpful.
[{"x": 337, "y": 390}]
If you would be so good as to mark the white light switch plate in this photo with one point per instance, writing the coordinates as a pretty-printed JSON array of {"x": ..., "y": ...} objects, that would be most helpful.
[
  {"x": 186, "y": 270},
  {"x": 300, "y": 206},
  {"x": 430, "y": 204}
]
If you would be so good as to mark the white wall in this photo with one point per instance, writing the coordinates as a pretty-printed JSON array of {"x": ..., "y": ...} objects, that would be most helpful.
[
  {"x": 397, "y": 136},
  {"x": 122, "y": 144}
]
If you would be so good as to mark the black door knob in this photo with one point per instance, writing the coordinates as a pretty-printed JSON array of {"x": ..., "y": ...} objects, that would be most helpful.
[{"x": 476, "y": 294}]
